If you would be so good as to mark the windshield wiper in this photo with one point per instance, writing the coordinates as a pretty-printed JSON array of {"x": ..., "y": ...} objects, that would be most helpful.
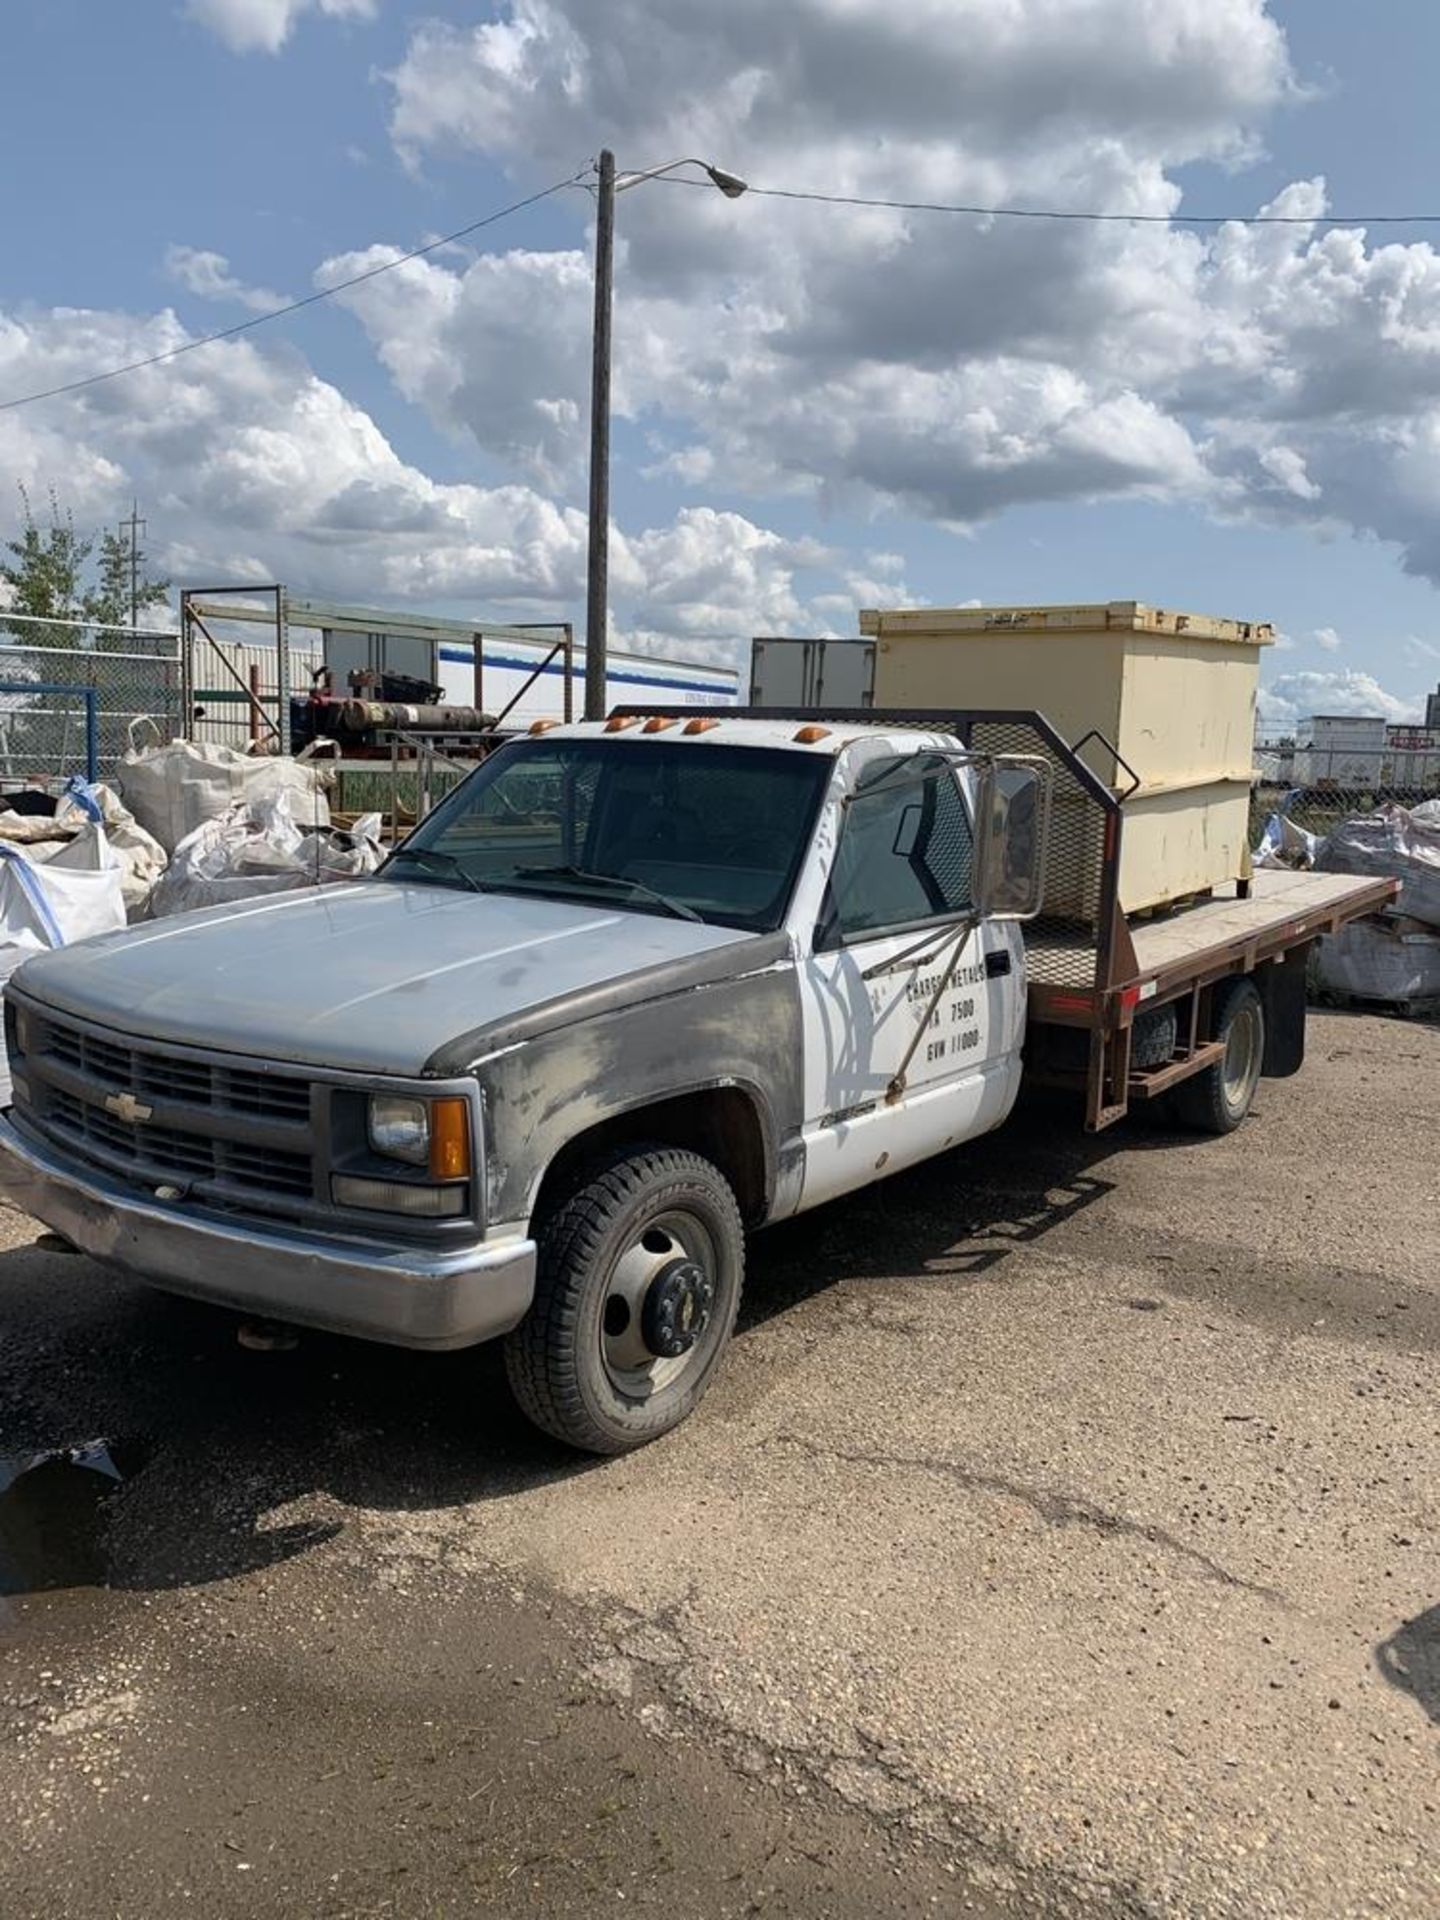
[
  {"x": 587, "y": 876},
  {"x": 445, "y": 862}
]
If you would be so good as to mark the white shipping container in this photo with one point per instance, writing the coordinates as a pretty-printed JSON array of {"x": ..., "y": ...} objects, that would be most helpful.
[
  {"x": 1339, "y": 766},
  {"x": 812, "y": 673},
  {"x": 631, "y": 679}
]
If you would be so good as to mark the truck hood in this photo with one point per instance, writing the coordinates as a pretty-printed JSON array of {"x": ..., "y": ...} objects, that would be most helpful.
[{"x": 376, "y": 977}]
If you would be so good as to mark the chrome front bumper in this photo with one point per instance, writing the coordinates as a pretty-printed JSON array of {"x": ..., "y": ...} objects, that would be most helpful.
[{"x": 406, "y": 1296}]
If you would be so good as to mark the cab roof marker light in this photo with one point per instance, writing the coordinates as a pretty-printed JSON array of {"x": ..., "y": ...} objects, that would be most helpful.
[
  {"x": 658, "y": 724},
  {"x": 807, "y": 736},
  {"x": 700, "y": 726},
  {"x": 543, "y": 726},
  {"x": 617, "y": 723}
]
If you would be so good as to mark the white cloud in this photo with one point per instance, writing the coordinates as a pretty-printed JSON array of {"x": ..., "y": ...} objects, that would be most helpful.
[
  {"x": 1327, "y": 639},
  {"x": 1290, "y": 697},
  {"x": 263, "y": 26},
  {"x": 207, "y": 275},
  {"x": 252, "y": 467},
  {"x": 944, "y": 367},
  {"x": 873, "y": 358}
]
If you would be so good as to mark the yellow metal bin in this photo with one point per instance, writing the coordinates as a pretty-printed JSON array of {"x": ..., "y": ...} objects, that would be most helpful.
[{"x": 1174, "y": 693}]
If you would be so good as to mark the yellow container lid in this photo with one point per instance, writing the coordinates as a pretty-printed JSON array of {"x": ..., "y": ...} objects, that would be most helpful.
[{"x": 1120, "y": 617}]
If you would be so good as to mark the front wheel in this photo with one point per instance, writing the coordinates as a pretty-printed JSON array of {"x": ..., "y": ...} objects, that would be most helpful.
[
  {"x": 1217, "y": 1100},
  {"x": 636, "y": 1291}
]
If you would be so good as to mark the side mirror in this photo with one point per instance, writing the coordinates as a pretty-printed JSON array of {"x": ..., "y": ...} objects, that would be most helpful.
[{"x": 1012, "y": 828}]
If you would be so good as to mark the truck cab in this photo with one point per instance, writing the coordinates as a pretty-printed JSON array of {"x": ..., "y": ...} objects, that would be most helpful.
[{"x": 635, "y": 987}]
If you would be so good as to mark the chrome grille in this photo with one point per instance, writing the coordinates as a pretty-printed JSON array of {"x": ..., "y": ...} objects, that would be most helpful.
[{"x": 228, "y": 1131}]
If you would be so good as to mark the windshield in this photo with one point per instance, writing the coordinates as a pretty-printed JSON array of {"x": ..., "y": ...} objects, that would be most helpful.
[{"x": 699, "y": 830}]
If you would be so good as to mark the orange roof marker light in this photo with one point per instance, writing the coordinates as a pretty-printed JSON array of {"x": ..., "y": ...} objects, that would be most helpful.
[
  {"x": 543, "y": 726},
  {"x": 700, "y": 726},
  {"x": 658, "y": 724},
  {"x": 618, "y": 722},
  {"x": 807, "y": 736}
]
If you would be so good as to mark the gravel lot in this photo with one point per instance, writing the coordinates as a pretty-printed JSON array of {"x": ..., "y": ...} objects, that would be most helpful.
[{"x": 1063, "y": 1535}]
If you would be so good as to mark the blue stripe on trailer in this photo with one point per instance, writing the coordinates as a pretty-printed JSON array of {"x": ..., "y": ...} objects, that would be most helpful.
[{"x": 724, "y": 683}]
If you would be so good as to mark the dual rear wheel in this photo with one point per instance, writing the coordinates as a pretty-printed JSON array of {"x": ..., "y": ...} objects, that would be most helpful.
[{"x": 1217, "y": 1099}]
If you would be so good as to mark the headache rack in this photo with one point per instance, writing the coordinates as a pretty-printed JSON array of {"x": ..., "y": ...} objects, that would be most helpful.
[{"x": 1087, "y": 982}]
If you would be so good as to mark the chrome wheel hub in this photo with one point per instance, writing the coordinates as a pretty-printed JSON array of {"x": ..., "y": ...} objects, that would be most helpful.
[{"x": 659, "y": 1305}]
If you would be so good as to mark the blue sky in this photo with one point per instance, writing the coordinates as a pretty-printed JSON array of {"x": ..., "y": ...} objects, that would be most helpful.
[{"x": 792, "y": 441}]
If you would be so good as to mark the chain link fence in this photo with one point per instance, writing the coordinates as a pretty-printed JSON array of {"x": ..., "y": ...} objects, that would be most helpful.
[
  {"x": 1317, "y": 788},
  {"x": 71, "y": 693}
]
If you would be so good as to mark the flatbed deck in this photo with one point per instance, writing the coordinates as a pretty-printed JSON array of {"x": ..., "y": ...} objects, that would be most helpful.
[{"x": 1282, "y": 908}]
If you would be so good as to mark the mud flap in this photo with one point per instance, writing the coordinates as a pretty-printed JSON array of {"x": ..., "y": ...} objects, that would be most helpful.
[{"x": 1282, "y": 993}]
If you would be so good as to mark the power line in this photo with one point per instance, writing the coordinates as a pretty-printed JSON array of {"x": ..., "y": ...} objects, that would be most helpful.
[
  {"x": 1071, "y": 213},
  {"x": 292, "y": 306},
  {"x": 767, "y": 193}
]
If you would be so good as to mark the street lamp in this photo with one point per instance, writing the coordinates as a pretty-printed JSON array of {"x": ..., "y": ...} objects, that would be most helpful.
[{"x": 598, "y": 579}]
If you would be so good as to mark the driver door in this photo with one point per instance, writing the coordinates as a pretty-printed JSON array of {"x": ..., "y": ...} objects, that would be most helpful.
[{"x": 896, "y": 1068}]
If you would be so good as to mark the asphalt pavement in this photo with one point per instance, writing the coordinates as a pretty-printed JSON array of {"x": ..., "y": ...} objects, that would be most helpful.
[{"x": 1061, "y": 1537}]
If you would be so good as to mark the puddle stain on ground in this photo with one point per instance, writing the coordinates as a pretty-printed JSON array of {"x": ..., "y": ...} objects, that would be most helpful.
[{"x": 52, "y": 1517}]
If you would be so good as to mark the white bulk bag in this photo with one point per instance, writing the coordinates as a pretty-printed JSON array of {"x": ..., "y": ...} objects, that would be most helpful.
[
  {"x": 77, "y": 892},
  {"x": 72, "y": 894},
  {"x": 172, "y": 790}
]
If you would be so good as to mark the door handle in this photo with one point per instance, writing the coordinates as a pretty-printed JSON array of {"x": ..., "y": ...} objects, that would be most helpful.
[{"x": 997, "y": 965}]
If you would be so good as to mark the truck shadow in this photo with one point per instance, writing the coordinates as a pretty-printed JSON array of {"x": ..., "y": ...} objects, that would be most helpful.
[
  {"x": 142, "y": 1448},
  {"x": 958, "y": 1216},
  {"x": 1410, "y": 1660}
]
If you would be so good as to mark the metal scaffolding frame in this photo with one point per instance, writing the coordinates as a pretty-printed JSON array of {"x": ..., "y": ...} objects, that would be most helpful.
[{"x": 273, "y": 606}]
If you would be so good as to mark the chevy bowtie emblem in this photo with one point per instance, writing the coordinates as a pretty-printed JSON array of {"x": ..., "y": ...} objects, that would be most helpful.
[{"x": 126, "y": 1107}]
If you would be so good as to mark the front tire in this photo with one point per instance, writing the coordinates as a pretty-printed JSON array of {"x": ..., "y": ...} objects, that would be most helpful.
[
  {"x": 638, "y": 1283},
  {"x": 1217, "y": 1100}
]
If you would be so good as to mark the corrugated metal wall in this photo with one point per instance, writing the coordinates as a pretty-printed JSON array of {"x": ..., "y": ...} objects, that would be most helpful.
[{"x": 227, "y": 714}]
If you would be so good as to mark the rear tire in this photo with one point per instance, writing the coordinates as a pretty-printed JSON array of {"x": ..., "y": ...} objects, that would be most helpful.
[
  {"x": 1154, "y": 1037},
  {"x": 637, "y": 1287},
  {"x": 1217, "y": 1100}
]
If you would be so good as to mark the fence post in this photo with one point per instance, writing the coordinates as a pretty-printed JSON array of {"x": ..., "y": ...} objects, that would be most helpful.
[
  {"x": 187, "y": 668},
  {"x": 282, "y": 665}
]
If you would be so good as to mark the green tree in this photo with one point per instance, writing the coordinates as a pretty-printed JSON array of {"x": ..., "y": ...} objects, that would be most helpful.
[
  {"x": 47, "y": 576},
  {"x": 46, "y": 570},
  {"x": 124, "y": 589}
]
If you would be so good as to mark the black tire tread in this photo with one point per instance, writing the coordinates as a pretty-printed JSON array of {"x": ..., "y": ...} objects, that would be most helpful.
[
  {"x": 1154, "y": 1037},
  {"x": 539, "y": 1352}
]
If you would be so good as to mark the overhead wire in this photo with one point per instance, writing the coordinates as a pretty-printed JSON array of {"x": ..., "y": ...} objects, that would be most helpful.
[
  {"x": 293, "y": 306},
  {"x": 1096, "y": 216},
  {"x": 1077, "y": 213}
]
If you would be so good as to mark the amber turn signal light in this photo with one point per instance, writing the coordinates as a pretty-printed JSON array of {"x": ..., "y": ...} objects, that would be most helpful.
[{"x": 449, "y": 1140}]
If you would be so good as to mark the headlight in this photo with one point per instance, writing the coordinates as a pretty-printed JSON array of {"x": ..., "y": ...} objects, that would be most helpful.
[
  {"x": 400, "y": 1129},
  {"x": 434, "y": 1134}
]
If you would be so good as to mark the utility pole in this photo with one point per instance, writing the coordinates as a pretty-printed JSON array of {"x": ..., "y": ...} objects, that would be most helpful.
[
  {"x": 134, "y": 526},
  {"x": 597, "y": 588},
  {"x": 597, "y": 591}
]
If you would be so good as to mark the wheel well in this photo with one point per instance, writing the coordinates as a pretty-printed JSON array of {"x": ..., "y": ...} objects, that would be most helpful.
[{"x": 722, "y": 1123}]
